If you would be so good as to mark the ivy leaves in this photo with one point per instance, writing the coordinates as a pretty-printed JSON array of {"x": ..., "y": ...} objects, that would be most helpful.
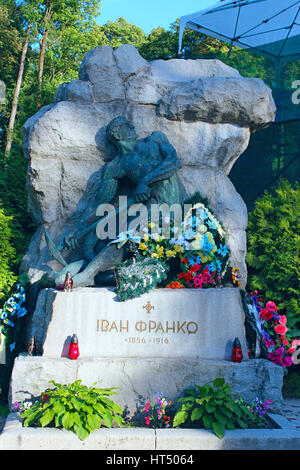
[{"x": 76, "y": 408}]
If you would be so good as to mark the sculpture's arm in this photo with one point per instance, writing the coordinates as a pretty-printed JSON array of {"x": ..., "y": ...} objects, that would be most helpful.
[
  {"x": 112, "y": 171},
  {"x": 167, "y": 168}
]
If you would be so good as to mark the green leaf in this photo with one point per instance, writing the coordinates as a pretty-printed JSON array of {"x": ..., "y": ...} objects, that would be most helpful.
[
  {"x": 218, "y": 382},
  {"x": 32, "y": 418},
  {"x": 58, "y": 408},
  {"x": 81, "y": 432},
  {"x": 196, "y": 414},
  {"x": 219, "y": 430},
  {"x": 230, "y": 425},
  {"x": 76, "y": 403},
  {"x": 119, "y": 420},
  {"x": 107, "y": 419},
  {"x": 209, "y": 408},
  {"x": 179, "y": 418},
  {"x": 67, "y": 420},
  {"x": 47, "y": 417},
  {"x": 207, "y": 421},
  {"x": 220, "y": 417},
  {"x": 94, "y": 421}
]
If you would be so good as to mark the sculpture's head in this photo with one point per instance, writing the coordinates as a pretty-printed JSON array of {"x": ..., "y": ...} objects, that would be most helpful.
[{"x": 120, "y": 130}]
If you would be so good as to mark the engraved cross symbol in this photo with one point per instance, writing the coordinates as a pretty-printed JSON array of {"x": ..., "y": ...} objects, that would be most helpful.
[{"x": 148, "y": 307}]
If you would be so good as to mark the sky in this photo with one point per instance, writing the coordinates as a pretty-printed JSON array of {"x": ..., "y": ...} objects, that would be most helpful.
[{"x": 149, "y": 14}]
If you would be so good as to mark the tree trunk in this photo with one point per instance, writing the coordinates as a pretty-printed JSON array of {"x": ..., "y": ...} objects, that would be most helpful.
[
  {"x": 15, "y": 101},
  {"x": 47, "y": 19}
]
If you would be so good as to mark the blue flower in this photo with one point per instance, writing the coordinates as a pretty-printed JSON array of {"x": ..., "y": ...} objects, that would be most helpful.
[
  {"x": 211, "y": 225},
  {"x": 202, "y": 214},
  {"x": 189, "y": 234},
  {"x": 223, "y": 250},
  {"x": 219, "y": 265},
  {"x": 3, "y": 315},
  {"x": 12, "y": 346},
  {"x": 21, "y": 312},
  {"x": 207, "y": 246},
  {"x": 194, "y": 260},
  {"x": 211, "y": 267}
]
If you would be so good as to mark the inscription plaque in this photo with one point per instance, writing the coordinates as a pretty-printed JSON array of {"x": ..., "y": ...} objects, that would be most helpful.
[{"x": 188, "y": 323}]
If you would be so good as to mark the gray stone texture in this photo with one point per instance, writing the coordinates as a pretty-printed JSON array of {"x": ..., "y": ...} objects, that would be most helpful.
[
  {"x": 206, "y": 109},
  {"x": 137, "y": 379},
  {"x": 180, "y": 324},
  {"x": 16, "y": 437}
]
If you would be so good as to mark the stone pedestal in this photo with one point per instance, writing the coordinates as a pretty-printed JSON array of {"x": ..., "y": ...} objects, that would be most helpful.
[
  {"x": 137, "y": 379},
  {"x": 166, "y": 323},
  {"x": 165, "y": 341}
]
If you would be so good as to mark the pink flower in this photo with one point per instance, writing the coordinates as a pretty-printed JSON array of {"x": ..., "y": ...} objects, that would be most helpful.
[
  {"x": 271, "y": 306},
  {"x": 287, "y": 361},
  {"x": 269, "y": 343},
  {"x": 282, "y": 320},
  {"x": 281, "y": 329},
  {"x": 147, "y": 419},
  {"x": 291, "y": 350},
  {"x": 147, "y": 406},
  {"x": 277, "y": 356}
]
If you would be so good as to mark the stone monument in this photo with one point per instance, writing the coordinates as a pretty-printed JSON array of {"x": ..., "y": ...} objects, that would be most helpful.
[{"x": 193, "y": 119}]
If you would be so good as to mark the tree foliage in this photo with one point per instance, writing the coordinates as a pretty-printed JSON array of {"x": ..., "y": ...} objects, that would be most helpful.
[
  {"x": 7, "y": 254},
  {"x": 274, "y": 249}
]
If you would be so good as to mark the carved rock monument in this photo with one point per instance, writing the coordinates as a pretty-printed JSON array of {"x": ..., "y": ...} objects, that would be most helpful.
[
  {"x": 200, "y": 114},
  {"x": 206, "y": 109}
]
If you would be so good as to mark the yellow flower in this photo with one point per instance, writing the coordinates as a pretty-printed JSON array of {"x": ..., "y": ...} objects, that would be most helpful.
[
  {"x": 154, "y": 255},
  {"x": 146, "y": 237},
  {"x": 143, "y": 247},
  {"x": 178, "y": 249},
  {"x": 160, "y": 250},
  {"x": 170, "y": 253}
]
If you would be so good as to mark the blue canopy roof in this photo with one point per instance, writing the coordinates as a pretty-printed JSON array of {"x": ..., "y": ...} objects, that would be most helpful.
[{"x": 270, "y": 28}]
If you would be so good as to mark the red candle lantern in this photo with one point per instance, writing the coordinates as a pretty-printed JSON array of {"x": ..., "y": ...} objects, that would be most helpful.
[
  {"x": 74, "y": 349},
  {"x": 237, "y": 354}
]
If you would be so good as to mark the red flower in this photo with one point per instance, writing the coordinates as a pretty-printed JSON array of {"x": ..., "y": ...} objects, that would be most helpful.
[
  {"x": 45, "y": 397},
  {"x": 195, "y": 268},
  {"x": 266, "y": 314},
  {"x": 184, "y": 260},
  {"x": 271, "y": 306},
  {"x": 188, "y": 276}
]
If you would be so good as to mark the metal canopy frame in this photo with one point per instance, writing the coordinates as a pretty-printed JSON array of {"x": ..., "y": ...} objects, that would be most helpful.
[{"x": 193, "y": 22}]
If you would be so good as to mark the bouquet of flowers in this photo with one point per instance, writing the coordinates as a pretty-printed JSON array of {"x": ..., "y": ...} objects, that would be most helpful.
[
  {"x": 12, "y": 310},
  {"x": 205, "y": 256},
  {"x": 156, "y": 414},
  {"x": 274, "y": 331}
]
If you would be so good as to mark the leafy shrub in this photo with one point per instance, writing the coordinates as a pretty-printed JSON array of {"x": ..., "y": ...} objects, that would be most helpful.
[
  {"x": 212, "y": 407},
  {"x": 274, "y": 249},
  {"x": 74, "y": 407},
  {"x": 7, "y": 254}
]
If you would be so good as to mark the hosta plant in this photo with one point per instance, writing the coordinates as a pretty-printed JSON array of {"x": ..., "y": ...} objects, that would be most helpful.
[
  {"x": 74, "y": 407},
  {"x": 212, "y": 407}
]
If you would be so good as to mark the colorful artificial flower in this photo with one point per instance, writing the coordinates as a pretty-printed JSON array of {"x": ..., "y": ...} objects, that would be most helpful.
[
  {"x": 281, "y": 329},
  {"x": 175, "y": 285}
]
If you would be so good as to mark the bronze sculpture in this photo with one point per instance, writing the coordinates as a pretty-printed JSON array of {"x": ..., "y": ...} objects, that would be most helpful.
[{"x": 150, "y": 167}]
